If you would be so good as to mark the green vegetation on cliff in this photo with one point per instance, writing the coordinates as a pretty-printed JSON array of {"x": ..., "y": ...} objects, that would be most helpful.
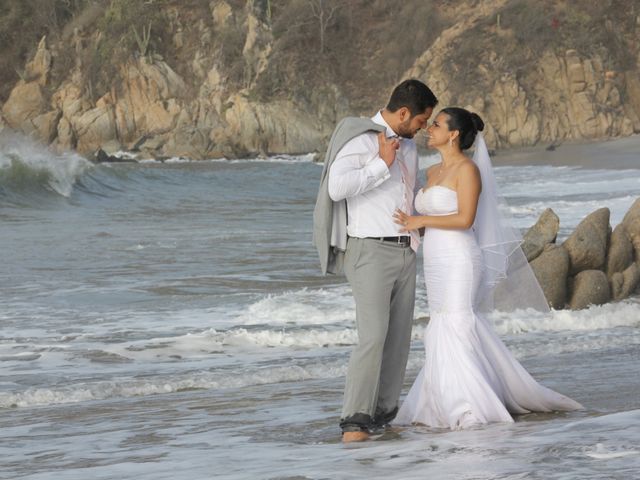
[{"x": 210, "y": 70}]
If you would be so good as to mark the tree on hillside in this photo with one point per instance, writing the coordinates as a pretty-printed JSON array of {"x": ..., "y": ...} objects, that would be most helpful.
[{"x": 323, "y": 11}]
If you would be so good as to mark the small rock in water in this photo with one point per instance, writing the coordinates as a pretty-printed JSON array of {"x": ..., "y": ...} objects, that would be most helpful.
[{"x": 103, "y": 157}]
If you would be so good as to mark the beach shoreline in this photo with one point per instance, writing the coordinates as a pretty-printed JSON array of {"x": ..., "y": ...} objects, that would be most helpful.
[
  {"x": 618, "y": 153},
  {"x": 615, "y": 153}
]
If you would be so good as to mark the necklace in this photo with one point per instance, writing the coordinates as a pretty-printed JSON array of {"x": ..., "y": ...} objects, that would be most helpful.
[{"x": 442, "y": 167}]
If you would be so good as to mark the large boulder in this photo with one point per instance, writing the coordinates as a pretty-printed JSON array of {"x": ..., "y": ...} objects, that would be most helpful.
[
  {"x": 542, "y": 233},
  {"x": 587, "y": 245},
  {"x": 631, "y": 222},
  {"x": 620, "y": 254},
  {"x": 589, "y": 287},
  {"x": 25, "y": 102},
  {"x": 551, "y": 268},
  {"x": 625, "y": 283}
]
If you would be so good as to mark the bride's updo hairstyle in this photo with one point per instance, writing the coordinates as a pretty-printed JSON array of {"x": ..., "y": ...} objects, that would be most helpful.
[{"x": 466, "y": 122}]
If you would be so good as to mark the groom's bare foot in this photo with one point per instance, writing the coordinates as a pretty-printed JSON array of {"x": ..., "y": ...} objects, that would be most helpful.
[{"x": 348, "y": 437}]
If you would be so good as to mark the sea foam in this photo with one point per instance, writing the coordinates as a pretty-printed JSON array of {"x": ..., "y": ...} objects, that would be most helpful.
[
  {"x": 144, "y": 386},
  {"x": 596, "y": 317},
  {"x": 301, "y": 307}
]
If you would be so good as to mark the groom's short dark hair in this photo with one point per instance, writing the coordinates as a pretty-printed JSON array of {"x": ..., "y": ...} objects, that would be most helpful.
[{"x": 414, "y": 95}]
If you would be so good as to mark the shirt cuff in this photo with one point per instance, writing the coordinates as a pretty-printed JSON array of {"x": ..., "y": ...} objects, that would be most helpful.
[{"x": 379, "y": 170}]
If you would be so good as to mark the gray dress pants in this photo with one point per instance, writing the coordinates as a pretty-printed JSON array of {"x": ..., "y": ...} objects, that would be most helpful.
[{"x": 382, "y": 276}]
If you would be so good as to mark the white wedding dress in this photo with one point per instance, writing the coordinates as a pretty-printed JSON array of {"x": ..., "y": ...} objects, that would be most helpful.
[{"x": 469, "y": 376}]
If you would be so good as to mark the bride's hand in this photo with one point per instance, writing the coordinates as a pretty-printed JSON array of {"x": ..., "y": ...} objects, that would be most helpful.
[{"x": 407, "y": 222}]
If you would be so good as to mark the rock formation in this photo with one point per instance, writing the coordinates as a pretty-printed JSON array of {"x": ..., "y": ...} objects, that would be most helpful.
[
  {"x": 620, "y": 254},
  {"x": 206, "y": 83},
  {"x": 631, "y": 222},
  {"x": 542, "y": 233},
  {"x": 588, "y": 268},
  {"x": 589, "y": 287},
  {"x": 625, "y": 283},
  {"x": 587, "y": 245},
  {"x": 551, "y": 268}
]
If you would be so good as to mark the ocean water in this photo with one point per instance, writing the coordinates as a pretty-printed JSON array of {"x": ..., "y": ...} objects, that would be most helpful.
[{"x": 168, "y": 321}]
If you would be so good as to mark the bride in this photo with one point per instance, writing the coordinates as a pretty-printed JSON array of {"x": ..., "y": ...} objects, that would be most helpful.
[{"x": 470, "y": 256}]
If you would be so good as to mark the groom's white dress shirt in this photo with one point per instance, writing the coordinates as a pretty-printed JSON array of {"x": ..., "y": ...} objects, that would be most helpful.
[{"x": 372, "y": 190}]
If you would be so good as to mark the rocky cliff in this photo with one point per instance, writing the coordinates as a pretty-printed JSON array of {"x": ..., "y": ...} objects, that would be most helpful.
[{"x": 233, "y": 78}]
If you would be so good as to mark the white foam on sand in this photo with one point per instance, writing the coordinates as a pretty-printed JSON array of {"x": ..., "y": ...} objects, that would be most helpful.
[
  {"x": 165, "y": 384},
  {"x": 602, "y": 452},
  {"x": 335, "y": 306},
  {"x": 301, "y": 307},
  {"x": 210, "y": 342},
  {"x": 309, "y": 319},
  {"x": 312, "y": 338},
  {"x": 529, "y": 332},
  {"x": 620, "y": 314},
  {"x": 246, "y": 356}
]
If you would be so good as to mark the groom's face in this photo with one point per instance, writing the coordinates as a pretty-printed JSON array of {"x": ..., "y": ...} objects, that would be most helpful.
[{"x": 413, "y": 124}]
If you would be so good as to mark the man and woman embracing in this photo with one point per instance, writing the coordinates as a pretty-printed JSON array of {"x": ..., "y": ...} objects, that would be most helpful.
[{"x": 365, "y": 227}]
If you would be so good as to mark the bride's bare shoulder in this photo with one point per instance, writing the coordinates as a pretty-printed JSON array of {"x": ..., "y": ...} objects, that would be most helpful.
[
  {"x": 468, "y": 173},
  {"x": 468, "y": 166}
]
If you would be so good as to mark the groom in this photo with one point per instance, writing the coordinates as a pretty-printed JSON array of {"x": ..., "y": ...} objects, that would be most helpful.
[{"x": 370, "y": 171}]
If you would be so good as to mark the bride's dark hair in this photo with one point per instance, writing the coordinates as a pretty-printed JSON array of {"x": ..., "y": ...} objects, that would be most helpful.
[{"x": 466, "y": 122}]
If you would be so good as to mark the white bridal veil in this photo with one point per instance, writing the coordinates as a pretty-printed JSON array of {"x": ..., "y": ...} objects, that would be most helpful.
[{"x": 508, "y": 282}]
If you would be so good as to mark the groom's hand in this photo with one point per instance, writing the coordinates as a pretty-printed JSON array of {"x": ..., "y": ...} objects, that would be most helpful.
[{"x": 387, "y": 148}]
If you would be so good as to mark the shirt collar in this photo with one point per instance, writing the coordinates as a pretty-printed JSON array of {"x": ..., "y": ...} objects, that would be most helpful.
[{"x": 378, "y": 118}]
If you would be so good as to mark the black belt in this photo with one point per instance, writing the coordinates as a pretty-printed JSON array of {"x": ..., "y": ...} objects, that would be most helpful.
[{"x": 404, "y": 240}]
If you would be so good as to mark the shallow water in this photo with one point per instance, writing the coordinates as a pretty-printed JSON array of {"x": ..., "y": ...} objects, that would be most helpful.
[{"x": 169, "y": 321}]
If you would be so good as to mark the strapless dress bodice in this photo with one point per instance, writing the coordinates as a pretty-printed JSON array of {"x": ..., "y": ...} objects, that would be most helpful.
[{"x": 436, "y": 200}]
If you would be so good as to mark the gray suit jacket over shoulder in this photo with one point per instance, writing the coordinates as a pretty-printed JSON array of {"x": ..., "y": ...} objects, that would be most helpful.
[{"x": 329, "y": 217}]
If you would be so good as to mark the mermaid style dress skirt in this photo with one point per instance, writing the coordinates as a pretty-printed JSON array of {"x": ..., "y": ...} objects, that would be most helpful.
[{"x": 469, "y": 376}]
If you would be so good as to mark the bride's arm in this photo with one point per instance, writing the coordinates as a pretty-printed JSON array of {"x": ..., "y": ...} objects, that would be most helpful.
[
  {"x": 426, "y": 183},
  {"x": 468, "y": 188}
]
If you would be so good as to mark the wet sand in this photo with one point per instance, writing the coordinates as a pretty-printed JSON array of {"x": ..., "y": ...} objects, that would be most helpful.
[
  {"x": 615, "y": 153},
  {"x": 618, "y": 153}
]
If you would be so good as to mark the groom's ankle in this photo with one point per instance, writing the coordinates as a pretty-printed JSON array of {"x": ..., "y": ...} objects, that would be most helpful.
[
  {"x": 358, "y": 422},
  {"x": 382, "y": 419}
]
